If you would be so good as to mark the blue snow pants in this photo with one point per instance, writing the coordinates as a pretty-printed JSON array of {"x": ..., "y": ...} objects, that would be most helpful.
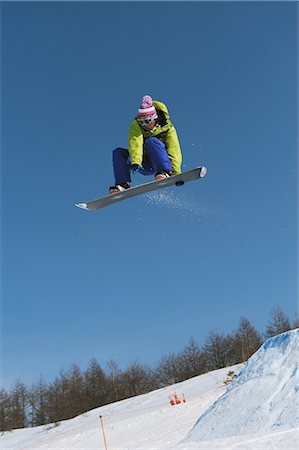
[{"x": 155, "y": 159}]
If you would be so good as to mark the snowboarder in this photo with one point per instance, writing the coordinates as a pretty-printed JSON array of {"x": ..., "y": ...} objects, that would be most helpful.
[{"x": 154, "y": 148}]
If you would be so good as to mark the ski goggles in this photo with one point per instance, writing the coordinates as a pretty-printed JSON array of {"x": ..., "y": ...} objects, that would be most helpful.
[{"x": 144, "y": 121}]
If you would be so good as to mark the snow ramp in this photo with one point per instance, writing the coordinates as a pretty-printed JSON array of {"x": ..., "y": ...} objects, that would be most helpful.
[{"x": 263, "y": 398}]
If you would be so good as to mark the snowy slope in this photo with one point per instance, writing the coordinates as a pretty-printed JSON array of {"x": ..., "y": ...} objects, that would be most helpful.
[
  {"x": 257, "y": 412},
  {"x": 267, "y": 388},
  {"x": 144, "y": 422}
]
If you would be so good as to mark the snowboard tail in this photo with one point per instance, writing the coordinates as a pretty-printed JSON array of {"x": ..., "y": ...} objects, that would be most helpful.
[{"x": 175, "y": 180}]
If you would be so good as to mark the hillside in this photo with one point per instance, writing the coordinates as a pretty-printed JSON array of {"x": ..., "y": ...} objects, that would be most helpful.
[{"x": 256, "y": 412}]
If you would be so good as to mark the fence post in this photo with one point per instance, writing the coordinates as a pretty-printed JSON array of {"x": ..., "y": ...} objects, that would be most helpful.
[{"x": 103, "y": 431}]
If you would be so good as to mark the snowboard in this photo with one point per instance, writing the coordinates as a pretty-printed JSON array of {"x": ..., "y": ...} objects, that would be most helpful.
[{"x": 174, "y": 180}]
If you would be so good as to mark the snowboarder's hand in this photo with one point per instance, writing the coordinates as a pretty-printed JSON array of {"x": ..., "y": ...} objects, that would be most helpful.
[{"x": 135, "y": 168}]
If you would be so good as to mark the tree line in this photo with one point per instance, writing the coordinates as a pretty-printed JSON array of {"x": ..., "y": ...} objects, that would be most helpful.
[{"x": 76, "y": 391}]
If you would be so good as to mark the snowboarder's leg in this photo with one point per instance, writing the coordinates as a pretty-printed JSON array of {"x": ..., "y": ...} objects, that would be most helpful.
[
  {"x": 121, "y": 165},
  {"x": 147, "y": 168},
  {"x": 158, "y": 155}
]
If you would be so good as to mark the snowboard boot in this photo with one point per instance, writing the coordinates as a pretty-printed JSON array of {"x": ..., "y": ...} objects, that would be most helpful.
[
  {"x": 119, "y": 188},
  {"x": 161, "y": 175}
]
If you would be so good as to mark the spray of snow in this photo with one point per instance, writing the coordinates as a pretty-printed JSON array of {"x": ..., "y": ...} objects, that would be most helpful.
[{"x": 177, "y": 201}]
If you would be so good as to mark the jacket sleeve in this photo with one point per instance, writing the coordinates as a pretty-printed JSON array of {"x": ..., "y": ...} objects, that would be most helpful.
[
  {"x": 135, "y": 143},
  {"x": 174, "y": 150},
  {"x": 162, "y": 107}
]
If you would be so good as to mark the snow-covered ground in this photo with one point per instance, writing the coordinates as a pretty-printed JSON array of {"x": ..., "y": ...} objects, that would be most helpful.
[{"x": 258, "y": 411}]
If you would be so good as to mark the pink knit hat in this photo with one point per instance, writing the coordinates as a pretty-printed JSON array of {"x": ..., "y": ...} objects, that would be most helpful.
[{"x": 146, "y": 109}]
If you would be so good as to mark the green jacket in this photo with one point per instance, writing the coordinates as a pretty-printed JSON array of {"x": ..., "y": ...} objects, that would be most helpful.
[{"x": 166, "y": 132}]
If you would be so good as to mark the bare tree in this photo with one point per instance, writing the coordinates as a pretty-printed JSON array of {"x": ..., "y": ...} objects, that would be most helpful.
[
  {"x": 76, "y": 401},
  {"x": 19, "y": 404},
  {"x": 57, "y": 398},
  {"x": 137, "y": 379},
  {"x": 246, "y": 341},
  {"x": 218, "y": 349},
  {"x": 95, "y": 385},
  {"x": 169, "y": 370},
  {"x": 296, "y": 323},
  {"x": 192, "y": 360},
  {"x": 113, "y": 382},
  {"x": 5, "y": 411},
  {"x": 38, "y": 401},
  {"x": 279, "y": 323}
]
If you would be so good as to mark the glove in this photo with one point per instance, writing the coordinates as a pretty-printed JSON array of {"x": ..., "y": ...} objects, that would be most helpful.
[{"x": 135, "y": 168}]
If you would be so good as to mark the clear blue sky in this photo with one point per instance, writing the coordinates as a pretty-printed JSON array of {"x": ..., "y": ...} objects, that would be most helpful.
[{"x": 138, "y": 279}]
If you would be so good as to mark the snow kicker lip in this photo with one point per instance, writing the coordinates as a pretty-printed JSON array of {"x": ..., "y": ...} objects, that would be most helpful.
[{"x": 267, "y": 385}]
